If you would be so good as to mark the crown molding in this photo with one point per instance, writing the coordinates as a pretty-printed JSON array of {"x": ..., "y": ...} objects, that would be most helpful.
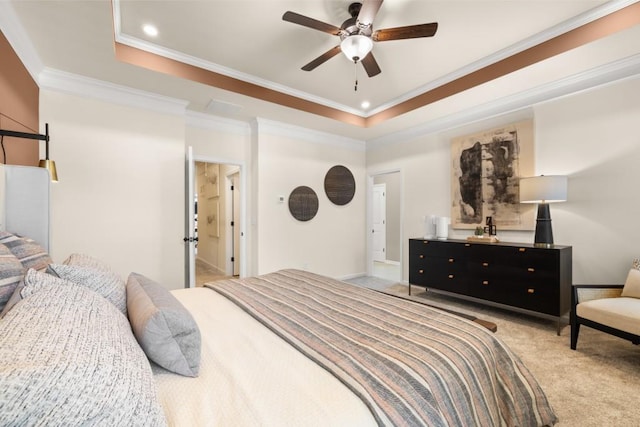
[
  {"x": 310, "y": 135},
  {"x": 559, "y": 29},
  {"x": 587, "y": 80},
  {"x": 216, "y": 68},
  {"x": 19, "y": 40},
  {"x": 536, "y": 39},
  {"x": 207, "y": 121},
  {"x": 97, "y": 89}
]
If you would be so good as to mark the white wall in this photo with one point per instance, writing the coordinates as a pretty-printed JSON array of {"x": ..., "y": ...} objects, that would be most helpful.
[
  {"x": 333, "y": 242},
  {"x": 591, "y": 136},
  {"x": 121, "y": 192}
]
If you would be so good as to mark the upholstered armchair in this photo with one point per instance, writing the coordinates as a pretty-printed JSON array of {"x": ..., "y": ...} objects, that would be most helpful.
[{"x": 614, "y": 309}]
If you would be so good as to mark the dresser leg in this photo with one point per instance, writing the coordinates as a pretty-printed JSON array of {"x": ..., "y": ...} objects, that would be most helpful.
[{"x": 409, "y": 288}]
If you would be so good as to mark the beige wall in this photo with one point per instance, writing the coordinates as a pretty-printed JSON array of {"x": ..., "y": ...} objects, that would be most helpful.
[
  {"x": 121, "y": 191},
  {"x": 591, "y": 136},
  {"x": 333, "y": 242},
  {"x": 276, "y": 159}
]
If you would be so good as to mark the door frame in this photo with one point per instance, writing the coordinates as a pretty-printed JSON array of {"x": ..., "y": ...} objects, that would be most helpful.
[
  {"x": 241, "y": 168},
  {"x": 228, "y": 265},
  {"x": 370, "y": 181},
  {"x": 384, "y": 214}
]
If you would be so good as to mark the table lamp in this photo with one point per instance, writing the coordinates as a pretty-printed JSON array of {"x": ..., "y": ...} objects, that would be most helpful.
[{"x": 543, "y": 190}]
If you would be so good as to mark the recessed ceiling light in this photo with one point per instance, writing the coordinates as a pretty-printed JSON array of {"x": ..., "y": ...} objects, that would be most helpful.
[
  {"x": 150, "y": 30},
  {"x": 365, "y": 104}
]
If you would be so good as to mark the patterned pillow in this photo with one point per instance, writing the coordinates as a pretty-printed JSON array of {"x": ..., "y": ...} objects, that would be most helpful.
[
  {"x": 105, "y": 283},
  {"x": 11, "y": 273},
  {"x": 69, "y": 358},
  {"x": 636, "y": 264},
  {"x": 166, "y": 331},
  {"x": 30, "y": 254}
]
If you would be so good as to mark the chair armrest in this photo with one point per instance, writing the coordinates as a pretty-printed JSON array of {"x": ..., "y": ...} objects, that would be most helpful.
[{"x": 588, "y": 292}]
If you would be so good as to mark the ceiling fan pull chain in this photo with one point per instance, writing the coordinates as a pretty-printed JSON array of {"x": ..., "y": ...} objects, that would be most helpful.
[{"x": 355, "y": 74}]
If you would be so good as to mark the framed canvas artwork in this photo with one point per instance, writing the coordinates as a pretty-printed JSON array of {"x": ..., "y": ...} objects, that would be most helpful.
[{"x": 486, "y": 169}]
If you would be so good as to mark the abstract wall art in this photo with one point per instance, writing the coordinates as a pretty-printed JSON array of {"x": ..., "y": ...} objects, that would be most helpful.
[{"x": 486, "y": 169}]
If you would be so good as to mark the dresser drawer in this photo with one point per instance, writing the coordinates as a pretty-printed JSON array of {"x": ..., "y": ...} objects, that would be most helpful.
[
  {"x": 439, "y": 273},
  {"x": 542, "y": 299},
  {"x": 437, "y": 248}
]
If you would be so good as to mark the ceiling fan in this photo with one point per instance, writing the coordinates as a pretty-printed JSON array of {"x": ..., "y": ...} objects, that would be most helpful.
[{"x": 357, "y": 34}]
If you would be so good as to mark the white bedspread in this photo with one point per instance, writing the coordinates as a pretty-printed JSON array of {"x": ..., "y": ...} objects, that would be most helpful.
[{"x": 251, "y": 377}]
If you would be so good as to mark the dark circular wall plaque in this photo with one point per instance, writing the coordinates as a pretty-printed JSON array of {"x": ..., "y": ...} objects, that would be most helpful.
[
  {"x": 303, "y": 203},
  {"x": 339, "y": 185}
]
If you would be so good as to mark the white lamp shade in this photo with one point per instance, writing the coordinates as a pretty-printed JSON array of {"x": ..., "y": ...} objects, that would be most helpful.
[
  {"x": 356, "y": 47},
  {"x": 543, "y": 189}
]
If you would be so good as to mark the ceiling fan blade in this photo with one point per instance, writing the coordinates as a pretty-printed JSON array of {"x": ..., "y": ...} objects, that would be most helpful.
[
  {"x": 305, "y": 21},
  {"x": 368, "y": 12},
  {"x": 371, "y": 65},
  {"x": 408, "y": 32},
  {"x": 322, "y": 58}
]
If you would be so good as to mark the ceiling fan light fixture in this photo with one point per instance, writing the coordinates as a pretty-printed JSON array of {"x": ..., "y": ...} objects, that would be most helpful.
[{"x": 356, "y": 47}]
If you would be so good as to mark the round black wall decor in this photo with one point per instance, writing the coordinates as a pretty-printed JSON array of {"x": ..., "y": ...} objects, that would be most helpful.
[
  {"x": 303, "y": 203},
  {"x": 339, "y": 185}
]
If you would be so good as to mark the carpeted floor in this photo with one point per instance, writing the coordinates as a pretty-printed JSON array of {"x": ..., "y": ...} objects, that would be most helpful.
[{"x": 596, "y": 385}]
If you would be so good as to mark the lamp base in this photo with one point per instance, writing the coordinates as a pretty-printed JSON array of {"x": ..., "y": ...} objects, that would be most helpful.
[{"x": 544, "y": 233}]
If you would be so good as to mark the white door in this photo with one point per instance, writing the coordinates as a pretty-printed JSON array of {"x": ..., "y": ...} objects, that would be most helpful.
[
  {"x": 190, "y": 237},
  {"x": 379, "y": 222},
  {"x": 235, "y": 194}
]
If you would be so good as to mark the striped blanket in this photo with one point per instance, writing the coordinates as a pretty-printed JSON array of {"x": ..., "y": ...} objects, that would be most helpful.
[{"x": 411, "y": 364}]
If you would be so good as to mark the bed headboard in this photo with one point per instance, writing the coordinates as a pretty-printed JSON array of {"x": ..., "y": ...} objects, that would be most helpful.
[{"x": 24, "y": 202}]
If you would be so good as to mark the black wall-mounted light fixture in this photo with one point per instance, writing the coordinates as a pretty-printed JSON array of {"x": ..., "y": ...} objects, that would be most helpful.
[{"x": 50, "y": 165}]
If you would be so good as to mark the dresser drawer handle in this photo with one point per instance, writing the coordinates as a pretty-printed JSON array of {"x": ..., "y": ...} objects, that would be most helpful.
[
  {"x": 426, "y": 242},
  {"x": 421, "y": 271},
  {"x": 451, "y": 276},
  {"x": 485, "y": 282},
  {"x": 450, "y": 259},
  {"x": 531, "y": 290},
  {"x": 531, "y": 270},
  {"x": 467, "y": 244},
  {"x": 421, "y": 256},
  {"x": 485, "y": 264},
  {"x": 522, "y": 249}
]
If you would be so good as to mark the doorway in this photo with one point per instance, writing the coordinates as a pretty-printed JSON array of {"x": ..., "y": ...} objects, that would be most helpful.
[
  {"x": 385, "y": 253},
  {"x": 217, "y": 250}
]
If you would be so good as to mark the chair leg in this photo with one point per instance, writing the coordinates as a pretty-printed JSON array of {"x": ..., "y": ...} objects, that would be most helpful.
[{"x": 575, "y": 330}]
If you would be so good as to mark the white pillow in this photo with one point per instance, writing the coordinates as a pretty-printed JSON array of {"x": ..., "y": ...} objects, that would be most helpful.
[{"x": 632, "y": 284}]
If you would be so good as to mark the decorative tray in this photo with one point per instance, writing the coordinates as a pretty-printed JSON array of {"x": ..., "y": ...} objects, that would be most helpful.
[{"x": 483, "y": 239}]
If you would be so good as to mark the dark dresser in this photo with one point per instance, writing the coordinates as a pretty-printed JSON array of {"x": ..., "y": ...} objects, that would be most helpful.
[{"x": 514, "y": 275}]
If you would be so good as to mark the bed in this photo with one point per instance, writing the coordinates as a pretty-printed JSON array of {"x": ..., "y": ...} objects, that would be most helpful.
[{"x": 82, "y": 346}]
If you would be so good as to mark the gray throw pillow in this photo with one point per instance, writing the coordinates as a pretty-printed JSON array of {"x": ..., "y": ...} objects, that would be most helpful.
[
  {"x": 11, "y": 273},
  {"x": 166, "y": 331},
  {"x": 104, "y": 282}
]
